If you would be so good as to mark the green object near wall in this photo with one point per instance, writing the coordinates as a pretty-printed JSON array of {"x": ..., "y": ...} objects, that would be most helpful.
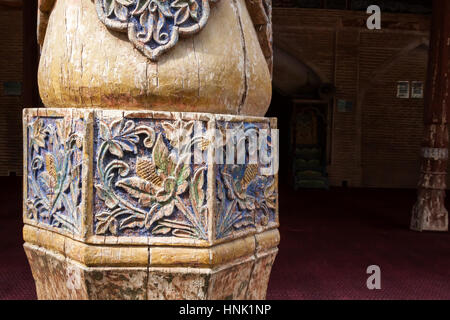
[
  {"x": 309, "y": 165},
  {"x": 344, "y": 106},
  {"x": 12, "y": 88}
]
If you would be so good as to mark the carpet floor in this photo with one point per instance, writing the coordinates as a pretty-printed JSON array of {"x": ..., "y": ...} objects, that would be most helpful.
[{"x": 328, "y": 239}]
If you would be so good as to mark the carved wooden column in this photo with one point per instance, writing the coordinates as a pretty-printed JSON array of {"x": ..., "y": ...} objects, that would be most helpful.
[
  {"x": 124, "y": 195},
  {"x": 429, "y": 213}
]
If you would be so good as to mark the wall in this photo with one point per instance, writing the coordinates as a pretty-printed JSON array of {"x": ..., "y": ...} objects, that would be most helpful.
[
  {"x": 392, "y": 128},
  {"x": 10, "y": 106},
  {"x": 377, "y": 143}
]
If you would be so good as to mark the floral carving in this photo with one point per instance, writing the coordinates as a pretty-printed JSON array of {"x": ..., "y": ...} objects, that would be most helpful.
[
  {"x": 54, "y": 178},
  {"x": 169, "y": 193},
  {"x": 246, "y": 198},
  {"x": 148, "y": 181},
  {"x": 154, "y": 26},
  {"x": 243, "y": 205}
]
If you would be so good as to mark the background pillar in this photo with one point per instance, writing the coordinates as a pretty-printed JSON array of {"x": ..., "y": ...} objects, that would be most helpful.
[{"x": 429, "y": 212}]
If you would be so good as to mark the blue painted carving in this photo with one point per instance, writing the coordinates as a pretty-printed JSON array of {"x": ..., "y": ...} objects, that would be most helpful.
[
  {"x": 55, "y": 172},
  {"x": 154, "y": 26},
  {"x": 145, "y": 181},
  {"x": 246, "y": 198}
]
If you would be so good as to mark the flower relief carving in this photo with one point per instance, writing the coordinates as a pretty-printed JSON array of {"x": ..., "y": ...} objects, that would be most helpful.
[
  {"x": 162, "y": 193},
  {"x": 154, "y": 26},
  {"x": 246, "y": 195},
  {"x": 55, "y": 172}
]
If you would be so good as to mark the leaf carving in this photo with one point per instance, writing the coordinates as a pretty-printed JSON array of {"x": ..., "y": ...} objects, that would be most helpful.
[
  {"x": 102, "y": 227},
  {"x": 105, "y": 133},
  {"x": 115, "y": 149},
  {"x": 150, "y": 135},
  {"x": 187, "y": 8},
  {"x": 125, "y": 2},
  {"x": 110, "y": 201},
  {"x": 109, "y": 6},
  {"x": 37, "y": 135},
  {"x": 170, "y": 131},
  {"x": 158, "y": 212},
  {"x": 220, "y": 194},
  {"x": 194, "y": 10},
  {"x": 160, "y": 230},
  {"x": 182, "y": 170},
  {"x": 228, "y": 181},
  {"x": 182, "y": 15},
  {"x": 105, "y": 224},
  {"x": 182, "y": 188},
  {"x": 196, "y": 192},
  {"x": 270, "y": 189},
  {"x": 48, "y": 181},
  {"x": 244, "y": 222},
  {"x": 160, "y": 154},
  {"x": 175, "y": 224},
  {"x": 132, "y": 222},
  {"x": 183, "y": 233},
  {"x": 137, "y": 188},
  {"x": 114, "y": 227},
  {"x": 121, "y": 11},
  {"x": 140, "y": 7}
]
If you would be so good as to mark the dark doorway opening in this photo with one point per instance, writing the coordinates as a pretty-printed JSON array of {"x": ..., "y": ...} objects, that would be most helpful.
[{"x": 309, "y": 132}]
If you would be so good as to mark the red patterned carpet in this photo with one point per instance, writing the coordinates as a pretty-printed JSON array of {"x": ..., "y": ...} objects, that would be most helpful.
[{"x": 328, "y": 239}]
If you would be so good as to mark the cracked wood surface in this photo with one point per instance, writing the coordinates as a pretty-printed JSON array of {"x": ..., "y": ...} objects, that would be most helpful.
[
  {"x": 220, "y": 70},
  {"x": 429, "y": 212}
]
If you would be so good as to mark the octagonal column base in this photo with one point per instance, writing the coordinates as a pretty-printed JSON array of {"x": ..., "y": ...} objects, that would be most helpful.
[
  {"x": 58, "y": 276},
  {"x": 142, "y": 204}
]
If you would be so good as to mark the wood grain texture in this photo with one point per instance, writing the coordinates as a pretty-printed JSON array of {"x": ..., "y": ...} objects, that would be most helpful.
[
  {"x": 219, "y": 70},
  {"x": 429, "y": 212},
  {"x": 76, "y": 258},
  {"x": 61, "y": 275}
]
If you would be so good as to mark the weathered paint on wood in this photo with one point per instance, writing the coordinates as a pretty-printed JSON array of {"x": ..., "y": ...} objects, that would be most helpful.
[
  {"x": 429, "y": 212},
  {"x": 221, "y": 69},
  {"x": 109, "y": 203},
  {"x": 110, "y": 210}
]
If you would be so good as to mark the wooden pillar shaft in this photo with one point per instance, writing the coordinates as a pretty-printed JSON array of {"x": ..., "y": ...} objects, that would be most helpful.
[{"x": 429, "y": 212}]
